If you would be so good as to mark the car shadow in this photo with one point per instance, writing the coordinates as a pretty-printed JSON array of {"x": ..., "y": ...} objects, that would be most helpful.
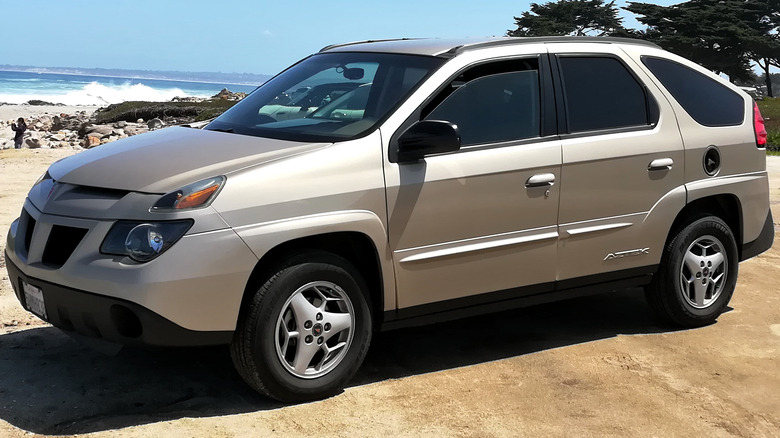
[{"x": 51, "y": 385}]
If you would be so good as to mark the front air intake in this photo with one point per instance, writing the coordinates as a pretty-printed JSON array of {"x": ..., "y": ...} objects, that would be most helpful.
[
  {"x": 61, "y": 244},
  {"x": 29, "y": 226}
]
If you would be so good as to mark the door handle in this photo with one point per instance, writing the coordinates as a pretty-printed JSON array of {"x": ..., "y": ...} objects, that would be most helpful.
[
  {"x": 540, "y": 180},
  {"x": 661, "y": 164}
]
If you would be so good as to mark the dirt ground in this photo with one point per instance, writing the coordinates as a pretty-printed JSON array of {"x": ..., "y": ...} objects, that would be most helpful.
[{"x": 595, "y": 366}]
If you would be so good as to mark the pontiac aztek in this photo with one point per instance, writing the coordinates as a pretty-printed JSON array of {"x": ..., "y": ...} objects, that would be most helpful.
[{"x": 381, "y": 184}]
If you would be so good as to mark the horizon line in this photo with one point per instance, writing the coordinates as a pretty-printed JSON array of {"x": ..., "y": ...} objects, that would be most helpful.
[{"x": 84, "y": 71}]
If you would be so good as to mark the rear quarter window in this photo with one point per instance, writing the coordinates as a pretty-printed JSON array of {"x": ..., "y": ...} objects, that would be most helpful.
[{"x": 706, "y": 100}]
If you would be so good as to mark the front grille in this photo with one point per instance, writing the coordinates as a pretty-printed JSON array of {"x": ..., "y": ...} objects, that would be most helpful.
[
  {"x": 28, "y": 224},
  {"x": 61, "y": 244}
]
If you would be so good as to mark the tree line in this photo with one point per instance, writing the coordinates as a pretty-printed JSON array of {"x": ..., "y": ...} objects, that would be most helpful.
[{"x": 725, "y": 36}]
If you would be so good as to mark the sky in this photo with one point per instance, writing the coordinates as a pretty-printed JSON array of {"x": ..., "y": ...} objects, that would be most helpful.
[{"x": 230, "y": 36}]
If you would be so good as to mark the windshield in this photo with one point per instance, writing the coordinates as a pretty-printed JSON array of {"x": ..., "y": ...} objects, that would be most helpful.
[{"x": 327, "y": 97}]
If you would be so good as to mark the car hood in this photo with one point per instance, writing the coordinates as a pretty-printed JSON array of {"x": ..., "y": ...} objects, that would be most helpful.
[{"x": 164, "y": 160}]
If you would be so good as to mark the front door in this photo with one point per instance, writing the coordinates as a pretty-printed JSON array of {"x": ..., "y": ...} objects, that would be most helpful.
[{"x": 482, "y": 219}]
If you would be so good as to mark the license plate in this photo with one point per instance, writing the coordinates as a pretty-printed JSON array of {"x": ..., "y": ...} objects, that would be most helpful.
[{"x": 34, "y": 299}]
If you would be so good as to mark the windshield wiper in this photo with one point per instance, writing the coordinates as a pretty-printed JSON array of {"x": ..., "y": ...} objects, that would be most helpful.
[{"x": 229, "y": 130}]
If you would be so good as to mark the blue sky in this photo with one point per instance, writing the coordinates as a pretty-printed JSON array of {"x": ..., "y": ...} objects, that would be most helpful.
[{"x": 238, "y": 36}]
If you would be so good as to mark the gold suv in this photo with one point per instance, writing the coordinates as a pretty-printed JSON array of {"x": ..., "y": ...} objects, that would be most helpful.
[{"x": 381, "y": 184}]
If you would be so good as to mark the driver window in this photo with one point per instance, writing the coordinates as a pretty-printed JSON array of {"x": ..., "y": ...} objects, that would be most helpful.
[{"x": 490, "y": 104}]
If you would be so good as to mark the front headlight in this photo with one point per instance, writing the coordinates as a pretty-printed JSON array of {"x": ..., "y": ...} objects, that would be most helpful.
[
  {"x": 143, "y": 241},
  {"x": 195, "y": 195}
]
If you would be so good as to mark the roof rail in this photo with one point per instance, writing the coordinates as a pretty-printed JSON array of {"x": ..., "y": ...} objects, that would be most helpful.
[
  {"x": 333, "y": 46},
  {"x": 546, "y": 39}
]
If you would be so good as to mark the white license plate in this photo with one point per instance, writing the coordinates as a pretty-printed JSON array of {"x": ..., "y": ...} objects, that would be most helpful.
[{"x": 34, "y": 299}]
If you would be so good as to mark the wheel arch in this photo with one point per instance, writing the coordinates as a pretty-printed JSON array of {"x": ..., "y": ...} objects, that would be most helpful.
[
  {"x": 355, "y": 247},
  {"x": 727, "y": 207}
]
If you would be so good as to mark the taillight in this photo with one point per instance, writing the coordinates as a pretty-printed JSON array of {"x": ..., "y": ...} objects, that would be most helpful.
[{"x": 758, "y": 125}]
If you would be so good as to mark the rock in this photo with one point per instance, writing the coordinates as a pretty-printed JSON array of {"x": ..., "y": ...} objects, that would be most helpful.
[
  {"x": 100, "y": 129},
  {"x": 139, "y": 121},
  {"x": 135, "y": 129},
  {"x": 226, "y": 94},
  {"x": 56, "y": 123},
  {"x": 44, "y": 123},
  {"x": 188, "y": 99},
  {"x": 37, "y": 102},
  {"x": 34, "y": 143},
  {"x": 120, "y": 124},
  {"x": 57, "y": 137},
  {"x": 155, "y": 124},
  {"x": 91, "y": 141}
]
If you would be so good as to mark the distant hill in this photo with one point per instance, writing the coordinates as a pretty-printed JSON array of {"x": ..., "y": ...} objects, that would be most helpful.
[{"x": 217, "y": 77}]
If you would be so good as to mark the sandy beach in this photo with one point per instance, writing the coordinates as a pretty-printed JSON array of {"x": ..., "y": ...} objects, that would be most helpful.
[{"x": 596, "y": 366}]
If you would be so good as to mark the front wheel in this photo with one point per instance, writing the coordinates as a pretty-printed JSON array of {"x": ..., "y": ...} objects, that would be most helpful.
[
  {"x": 306, "y": 330},
  {"x": 698, "y": 274}
]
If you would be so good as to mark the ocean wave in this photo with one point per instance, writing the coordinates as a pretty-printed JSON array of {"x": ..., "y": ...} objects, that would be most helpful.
[{"x": 99, "y": 94}]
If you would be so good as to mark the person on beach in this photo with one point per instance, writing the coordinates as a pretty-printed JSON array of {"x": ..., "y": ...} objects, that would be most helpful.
[{"x": 19, "y": 127}]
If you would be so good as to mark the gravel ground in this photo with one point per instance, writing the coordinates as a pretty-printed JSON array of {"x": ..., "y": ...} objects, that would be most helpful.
[{"x": 595, "y": 366}]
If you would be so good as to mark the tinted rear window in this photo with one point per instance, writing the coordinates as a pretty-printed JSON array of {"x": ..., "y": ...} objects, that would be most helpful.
[
  {"x": 703, "y": 98},
  {"x": 601, "y": 94}
]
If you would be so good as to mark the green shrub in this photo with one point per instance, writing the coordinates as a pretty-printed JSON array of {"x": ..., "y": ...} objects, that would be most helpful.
[
  {"x": 770, "y": 110},
  {"x": 132, "y": 111}
]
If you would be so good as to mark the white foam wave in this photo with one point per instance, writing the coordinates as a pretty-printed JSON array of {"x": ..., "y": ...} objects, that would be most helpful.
[{"x": 99, "y": 94}]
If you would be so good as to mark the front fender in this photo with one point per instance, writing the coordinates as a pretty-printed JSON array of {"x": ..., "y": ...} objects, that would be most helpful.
[{"x": 264, "y": 236}]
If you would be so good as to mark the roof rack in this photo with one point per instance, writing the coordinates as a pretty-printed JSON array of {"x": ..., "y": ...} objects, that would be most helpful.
[
  {"x": 333, "y": 46},
  {"x": 546, "y": 39}
]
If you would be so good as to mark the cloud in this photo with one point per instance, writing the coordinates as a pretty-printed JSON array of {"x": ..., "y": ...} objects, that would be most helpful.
[{"x": 267, "y": 33}]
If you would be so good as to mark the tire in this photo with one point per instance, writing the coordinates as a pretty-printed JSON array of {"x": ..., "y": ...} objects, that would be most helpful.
[
  {"x": 305, "y": 331},
  {"x": 697, "y": 275}
]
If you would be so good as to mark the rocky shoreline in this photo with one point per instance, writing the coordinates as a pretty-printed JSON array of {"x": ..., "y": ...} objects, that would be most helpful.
[{"x": 85, "y": 129}]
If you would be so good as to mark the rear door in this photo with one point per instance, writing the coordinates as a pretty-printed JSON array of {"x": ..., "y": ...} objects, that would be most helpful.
[{"x": 623, "y": 165}]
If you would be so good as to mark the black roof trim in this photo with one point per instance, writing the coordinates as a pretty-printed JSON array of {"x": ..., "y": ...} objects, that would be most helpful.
[
  {"x": 546, "y": 39},
  {"x": 333, "y": 46}
]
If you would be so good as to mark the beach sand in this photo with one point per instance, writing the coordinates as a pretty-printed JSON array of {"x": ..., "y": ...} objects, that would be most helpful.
[
  {"x": 595, "y": 366},
  {"x": 12, "y": 112}
]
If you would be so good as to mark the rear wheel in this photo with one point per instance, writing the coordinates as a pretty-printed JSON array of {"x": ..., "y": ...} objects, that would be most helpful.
[
  {"x": 698, "y": 274},
  {"x": 306, "y": 330}
]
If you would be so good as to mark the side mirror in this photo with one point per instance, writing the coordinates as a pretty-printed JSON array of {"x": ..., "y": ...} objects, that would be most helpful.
[{"x": 428, "y": 137}]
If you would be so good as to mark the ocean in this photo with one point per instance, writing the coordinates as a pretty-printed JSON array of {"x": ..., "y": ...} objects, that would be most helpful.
[{"x": 19, "y": 87}]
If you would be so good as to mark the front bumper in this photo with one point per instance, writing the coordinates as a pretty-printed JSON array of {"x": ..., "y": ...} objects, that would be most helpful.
[
  {"x": 190, "y": 295},
  {"x": 110, "y": 319}
]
